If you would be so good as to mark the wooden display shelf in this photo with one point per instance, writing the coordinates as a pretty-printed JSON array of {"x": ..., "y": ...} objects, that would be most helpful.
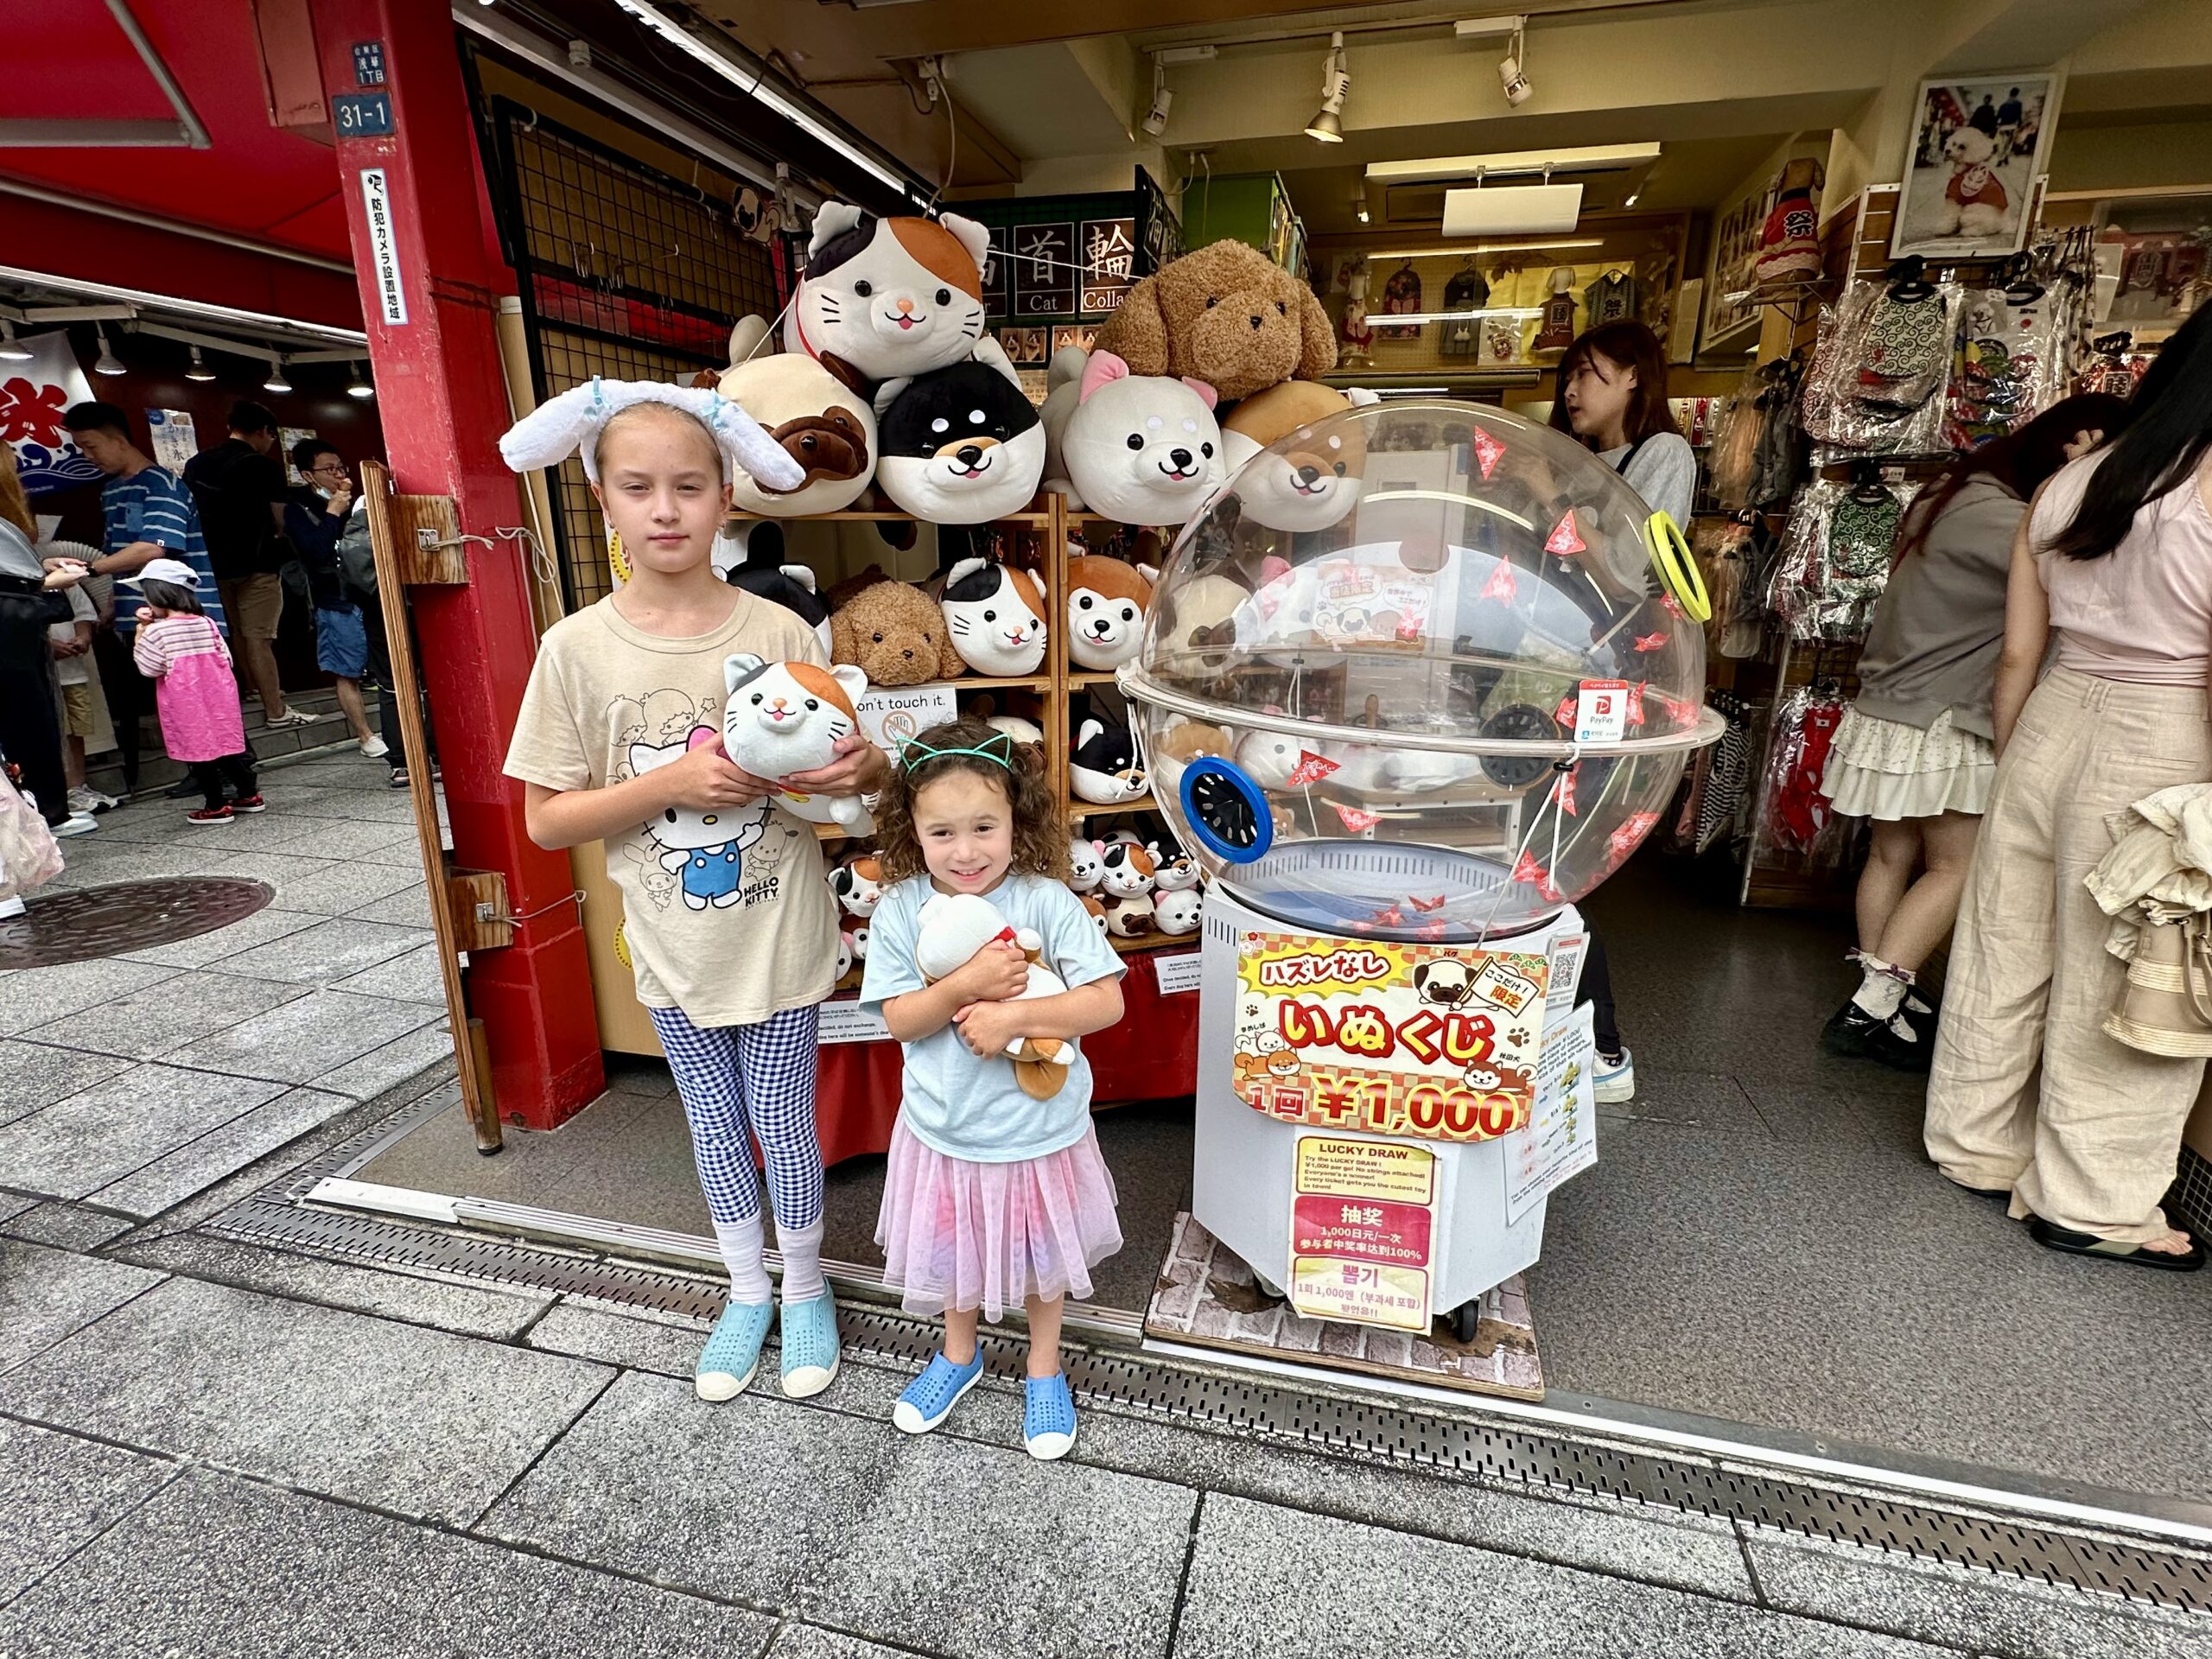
[
  {"x": 1079, "y": 810},
  {"x": 1083, "y": 679},
  {"x": 1039, "y": 682},
  {"x": 1153, "y": 941}
]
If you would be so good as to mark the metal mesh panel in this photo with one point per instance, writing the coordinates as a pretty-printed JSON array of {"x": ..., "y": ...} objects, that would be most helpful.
[{"x": 625, "y": 272}]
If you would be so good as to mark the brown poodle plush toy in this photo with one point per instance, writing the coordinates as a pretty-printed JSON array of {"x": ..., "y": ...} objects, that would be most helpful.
[
  {"x": 894, "y": 633},
  {"x": 1226, "y": 315}
]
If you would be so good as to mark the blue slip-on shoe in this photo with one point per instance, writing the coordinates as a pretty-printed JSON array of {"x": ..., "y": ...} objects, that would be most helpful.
[
  {"x": 809, "y": 1345},
  {"x": 930, "y": 1398},
  {"x": 733, "y": 1351},
  {"x": 1048, "y": 1418}
]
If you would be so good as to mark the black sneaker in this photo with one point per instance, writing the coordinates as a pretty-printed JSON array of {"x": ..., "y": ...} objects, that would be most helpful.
[{"x": 1849, "y": 1032}]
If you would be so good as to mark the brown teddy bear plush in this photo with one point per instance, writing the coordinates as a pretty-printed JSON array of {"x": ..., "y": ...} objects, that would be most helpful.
[
  {"x": 1226, "y": 315},
  {"x": 894, "y": 633}
]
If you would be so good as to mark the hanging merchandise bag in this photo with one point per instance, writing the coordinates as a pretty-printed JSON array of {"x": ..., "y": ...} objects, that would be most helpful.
[{"x": 29, "y": 855}]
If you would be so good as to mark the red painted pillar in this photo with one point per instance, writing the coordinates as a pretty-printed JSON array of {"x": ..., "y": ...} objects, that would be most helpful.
[{"x": 428, "y": 295}]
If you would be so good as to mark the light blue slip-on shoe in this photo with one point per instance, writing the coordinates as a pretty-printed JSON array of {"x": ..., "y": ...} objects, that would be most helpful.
[
  {"x": 930, "y": 1398},
  {"x": 809, "y": 1345},
  {"x": 733, "y": 1351},
  {"x": 1048, "y": 1417}
]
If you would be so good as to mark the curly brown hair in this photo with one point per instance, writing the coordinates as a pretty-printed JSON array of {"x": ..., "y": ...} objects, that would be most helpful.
[{"x": 1041, "y": 839}]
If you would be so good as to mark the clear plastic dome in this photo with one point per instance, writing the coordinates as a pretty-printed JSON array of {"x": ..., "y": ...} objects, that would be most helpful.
[{"x": 1420, "y": 671}]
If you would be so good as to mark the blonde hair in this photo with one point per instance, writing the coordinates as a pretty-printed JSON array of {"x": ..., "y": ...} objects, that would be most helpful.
[{"x": 15, "y": 504}]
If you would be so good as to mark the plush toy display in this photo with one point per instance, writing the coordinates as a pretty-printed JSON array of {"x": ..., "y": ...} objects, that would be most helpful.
[
  {"x": 960, "y": 445},
  {"x": 1128, "y": 870},
  {"x": 890, "y": 297},
  {"x": 1104, "y": 767},
  {"x": 856, "y": 941},
  {"x": 1129, "y": 918},
  {"x": 782, "y": 718},
  {"x": 1085, "y": 868},
  {"x": 1020, "y": 730},
  {"x": 1096, "y": 909},
  {"x": 1106, "y": 599},
  {"x": 822, "y": 422},
  {"x": 749, "y": 554},
  {"x": 894, "y": 633},
  {"x": 1269, "y": 758},
  {"x": 951, "y": 929},
  {"x": 844, "y": 953},
  {"x": 857, "y": 884},
  {"x": 1226, "y": 315},
  {"x": 1142, "y": 448},
  {"x": 1175, "y": 871},
  {"x": 1303, "y": 487},
  {"x": 1177, "y": 910},
  {"x": 995, "y": 616},
  {"x": 1184, "y": 742}
]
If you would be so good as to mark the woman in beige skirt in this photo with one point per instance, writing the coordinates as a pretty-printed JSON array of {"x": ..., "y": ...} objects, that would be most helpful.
[
  {"x": 2028, "y": 1097},
  {"x": 1915, "y": 752}
]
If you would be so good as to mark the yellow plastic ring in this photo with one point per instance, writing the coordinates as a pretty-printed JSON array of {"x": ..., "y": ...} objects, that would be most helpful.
[{"x": 1678, "y": 571}]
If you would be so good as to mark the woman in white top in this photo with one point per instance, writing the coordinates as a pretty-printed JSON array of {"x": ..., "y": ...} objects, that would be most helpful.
[
  {"x": 1613, "y": 395},
  {"x": 2115, "y": 559}
]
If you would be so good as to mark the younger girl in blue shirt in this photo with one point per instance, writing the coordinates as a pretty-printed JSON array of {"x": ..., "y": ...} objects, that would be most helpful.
[{"x": 992, "y": 1197}]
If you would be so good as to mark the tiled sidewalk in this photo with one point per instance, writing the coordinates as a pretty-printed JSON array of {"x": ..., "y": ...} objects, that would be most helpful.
[{"x": 129, "y": 1083}]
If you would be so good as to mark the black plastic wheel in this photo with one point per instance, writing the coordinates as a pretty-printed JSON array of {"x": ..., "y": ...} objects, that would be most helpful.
[
  {"x": 1466, "y": 1319},
  {"x": 1520, "y": 721},
  {"x": 1229, "y": 812}
]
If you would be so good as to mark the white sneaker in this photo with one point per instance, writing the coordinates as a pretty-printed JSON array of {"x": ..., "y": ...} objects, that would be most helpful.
[
  {"x": 290, "y": 717},
  {"x": 86, "y": 798},
  {"x": 1616, "y": 1083},
  {"x": 9, "y": 909},
  {"x": 77, "y": 824},
  {"x": 374, "y": 747}
]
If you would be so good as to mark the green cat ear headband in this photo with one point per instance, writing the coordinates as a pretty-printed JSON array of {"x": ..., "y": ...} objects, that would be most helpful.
[{"x": 998, "y": 746}]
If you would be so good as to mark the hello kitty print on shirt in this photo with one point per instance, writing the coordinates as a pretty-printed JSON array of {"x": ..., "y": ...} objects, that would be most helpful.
[{"x": 705, "y": 851}]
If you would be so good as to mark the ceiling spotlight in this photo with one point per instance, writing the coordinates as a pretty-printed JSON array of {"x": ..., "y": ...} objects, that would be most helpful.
[
  {"x": 109, "y": 363},
  {"x": 358, "y": 386},
  {"x": 12, "y": 349},
  {"x": 1509, "y": 69},
  {"x": 1155, "y": 120},
  {"x": 1634, "y": 196},
  {"x": 1359, "y": 201},
  {"x": 1325, "y": 127},
  {"x": 276, "y": 382},
  {"x": 198, "y": 369}
]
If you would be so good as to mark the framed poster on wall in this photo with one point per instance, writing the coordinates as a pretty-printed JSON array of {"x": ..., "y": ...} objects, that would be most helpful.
[{"x": 1978, "y": 145}]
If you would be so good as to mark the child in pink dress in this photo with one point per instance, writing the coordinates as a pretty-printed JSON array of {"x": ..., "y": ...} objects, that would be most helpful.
[{"x": 181, "y": 650}]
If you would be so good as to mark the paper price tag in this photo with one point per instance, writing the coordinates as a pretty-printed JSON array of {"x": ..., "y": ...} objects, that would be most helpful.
[
  {"x": 1182, "y": 972},
  {"x": 1601, "y": 711}
]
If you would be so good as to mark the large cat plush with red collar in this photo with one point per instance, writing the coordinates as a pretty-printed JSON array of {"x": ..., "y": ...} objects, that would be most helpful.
[{"x": 890, "y": 298}]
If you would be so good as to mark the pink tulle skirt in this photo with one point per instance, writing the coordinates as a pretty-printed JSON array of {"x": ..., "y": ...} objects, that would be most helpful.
[{"x": 957, "y": 1235}]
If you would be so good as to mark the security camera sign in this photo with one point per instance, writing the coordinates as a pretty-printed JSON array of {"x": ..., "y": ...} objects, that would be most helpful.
[{"x": 1435, "y": 1041}]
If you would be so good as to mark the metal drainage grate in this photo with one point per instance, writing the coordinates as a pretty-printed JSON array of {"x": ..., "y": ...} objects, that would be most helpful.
[
  {"x": 127, "y": 916},
  {"x": 1451, "y": 1446}
]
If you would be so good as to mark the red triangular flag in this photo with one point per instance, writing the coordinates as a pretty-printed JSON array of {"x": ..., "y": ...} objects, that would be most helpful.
[
  {"x": 1355, "y": 820},
  {"x": 1503, "y": 585},
  {"x": 1650, "y": 641},
  {"x": 1564, "y": 792},
  {"x": 1311, "y": 769},
  {"x": 1564, "y": 540},
  {"x": 1487, "y": 451},
  {"x": 1623, "y": 840},
  {"x": 1564, "y": 715}
]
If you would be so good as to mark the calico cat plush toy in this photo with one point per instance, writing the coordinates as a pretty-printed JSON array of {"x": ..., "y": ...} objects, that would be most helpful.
[
  {"x": 782, "y": 718},
  {"x": 960, "y": 445},
  {"x": 889, "y": 297},
  {"x": 995, "y": 615}
]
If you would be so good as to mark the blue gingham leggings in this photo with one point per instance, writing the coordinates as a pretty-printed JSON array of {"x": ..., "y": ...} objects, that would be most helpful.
[{"x": 738, "y": 1082}]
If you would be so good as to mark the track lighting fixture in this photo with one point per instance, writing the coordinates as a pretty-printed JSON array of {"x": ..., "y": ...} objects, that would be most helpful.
[
  {"x": 1511, "y": 75},
  {"x": 1326, "y": 127},
  {"x": 198, "y": 369},
  {"x": 109, "y": 363},
  {"x": 12, "y": 349},
  {"x": 276, "y": 382},
  {"x": 1155, "y": 120},
  {"x": 358, "y": 386}
]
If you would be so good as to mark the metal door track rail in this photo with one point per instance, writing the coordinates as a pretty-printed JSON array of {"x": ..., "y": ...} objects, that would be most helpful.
[{"x": 1450, "y": 1446}]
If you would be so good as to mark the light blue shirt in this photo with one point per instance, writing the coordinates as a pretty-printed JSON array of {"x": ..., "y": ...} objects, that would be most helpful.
[{"x": 958, "y": 1103}]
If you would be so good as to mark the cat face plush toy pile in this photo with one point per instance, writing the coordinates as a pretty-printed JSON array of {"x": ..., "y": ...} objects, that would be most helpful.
[
  {"x": 996, "y": 617},
  {"x": 782, "y": 718},
  {"x": 895, "y": 634},
  {"x": 1177, "y": 910},
  {"x": 1304, "y": 485},
  {"x": 1107, "y": 600},
  {"x": 820, "y": 419},
  {"x": 951, "y": 929},
  {"x": 1142, "y": 448},
  {"x": 1103, "y": 769},
  {"x": 1085, "y": 865},
  {"x": 1226, "y": 315},
  {"x": 889, "y": 297},
  {"x": 960, "y": 445},
  {"x": 857, "y": 884}
]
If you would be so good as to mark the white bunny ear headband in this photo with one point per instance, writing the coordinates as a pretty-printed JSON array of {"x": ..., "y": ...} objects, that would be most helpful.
[{"x": 571, "y": 424}]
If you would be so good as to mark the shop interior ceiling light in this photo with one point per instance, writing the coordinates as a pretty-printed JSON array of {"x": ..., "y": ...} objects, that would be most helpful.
[
  {"x": 1326, "y": 127},
  {"x": 1155, "y": 120},
  {"x": 276, "y": 382},
  {"x": 198, "y": 369},
  {"x": 1509, "y": 74},
  {"x": 109, "y": 363},
  {"x": 1571, "y": 159},
  {"x": 12, "y": 349},
  {"x": 358, "y": 386},
  {"x": 761, "y": 90},
  {"x": 1531, "y": 209}
]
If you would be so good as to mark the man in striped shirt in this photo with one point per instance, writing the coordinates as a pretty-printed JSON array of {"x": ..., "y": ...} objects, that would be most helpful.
[{"x": 149, "y": 514}]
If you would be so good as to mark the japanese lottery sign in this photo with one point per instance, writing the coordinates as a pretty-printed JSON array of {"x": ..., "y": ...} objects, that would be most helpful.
[
  {"x": 1434, "y": 1041},
  {"x": 1362, "y": 1224}
]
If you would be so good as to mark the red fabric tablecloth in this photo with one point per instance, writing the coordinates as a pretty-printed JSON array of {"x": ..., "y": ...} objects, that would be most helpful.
[{"x": 1151, "y": 1055}]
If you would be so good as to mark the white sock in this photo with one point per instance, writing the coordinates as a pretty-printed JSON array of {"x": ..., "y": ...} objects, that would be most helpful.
[
  {"x": 1880, "y": 992},
  {"x": 741, "y": 1242},
  {"x": 802, "y": 1249},
  {"x": 1903, "y": 1030},
  {"x": 1916, "y": 1003}
]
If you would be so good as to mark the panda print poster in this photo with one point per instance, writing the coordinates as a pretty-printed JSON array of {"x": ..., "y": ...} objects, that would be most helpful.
[{"x": 1435, "y": 1041}]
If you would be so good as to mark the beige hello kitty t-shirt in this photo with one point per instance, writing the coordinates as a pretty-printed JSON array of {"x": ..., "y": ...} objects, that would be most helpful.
[{"x": 727, "y": 915}]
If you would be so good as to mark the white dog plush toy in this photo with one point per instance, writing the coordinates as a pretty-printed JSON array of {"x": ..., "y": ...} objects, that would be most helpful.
[
  {"x": 783, "y": 718},
  {"x": 953, "y": 927},
  {"x": 1142, "y": 448}
]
